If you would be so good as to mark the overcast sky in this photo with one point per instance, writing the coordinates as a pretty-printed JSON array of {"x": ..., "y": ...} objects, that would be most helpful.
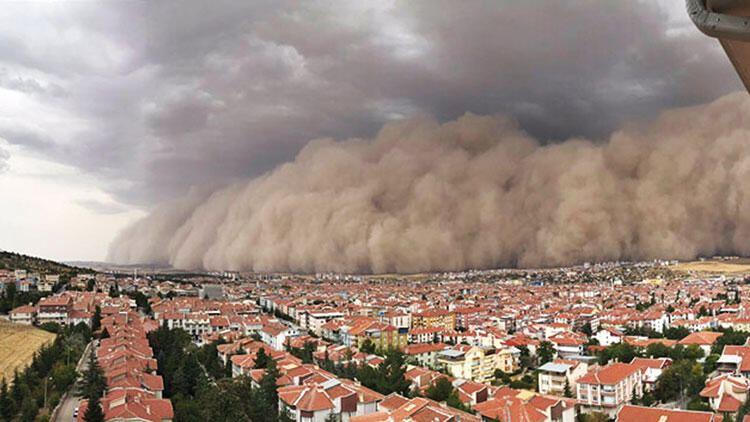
[{"x": 107, "y": 108}]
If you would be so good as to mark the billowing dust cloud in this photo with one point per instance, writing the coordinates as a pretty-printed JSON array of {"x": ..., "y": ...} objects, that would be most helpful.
[{"x": 472, "y": 193}]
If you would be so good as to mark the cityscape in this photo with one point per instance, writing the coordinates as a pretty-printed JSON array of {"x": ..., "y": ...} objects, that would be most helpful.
[
  {"x": 593, "y": 341},
  {"x": 375, "y": 211}
]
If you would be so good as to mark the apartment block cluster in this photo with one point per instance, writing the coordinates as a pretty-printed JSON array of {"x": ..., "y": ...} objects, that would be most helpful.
[
  {"x": 469, "y": 328},
  {"x": 134, "y": 389},
  {"x": 26, "y": 281},
  {"x": 309, "y": 393},
  {"x": 68, "y": 308}
]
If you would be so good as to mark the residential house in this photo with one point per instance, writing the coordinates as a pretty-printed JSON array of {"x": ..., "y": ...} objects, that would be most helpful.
[
  {"x": 555, "y": 376},
  {"x": 630, "y": 413},
  {"x": 606, "y": 389},
  {"x": 704, "y": 339},
  {"x": 726, "y": 393}
]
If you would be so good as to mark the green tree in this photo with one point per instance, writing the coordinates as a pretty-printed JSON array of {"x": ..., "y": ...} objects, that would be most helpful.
[
  {"x": 94, "y": 412},
  {"x": 524, "y": 358},
  {"x": 676, "y": 333},
  {"x": 683, "y": 379},
  {"x": 188, "y": 376},
  {"x": 261, "y": 359},
  {"x": 744, "y": 410},
  {"x": 730, "y": 337},
  {"x": 285, "y": 416},
  {"x": 388, "y": 377},
  {"x": 267, "y": 397},
  {"x": 367, "y": 346},
  {"x": 94, "y": 383},
  {"x": 440, "y": 390},
  {"x": 392, "y": 372},
  {"x": 63, "y": 376},
  {"x": 455, "y": 402},
  {"x": 141, "y": 301},
  {"x": 709, "y": 365},
  {"x": 96, "y": 321},
  {"x": 208, "y": 356},
  {"x": 546, "y": 352},
  {"x": 7, "y": 407},
  {"x": 693, "y": 352},
  {"x": 29, "y": 409},
  {"x": 620, "y": 352},
  {"x": 657, "y": 350},
  {"x": 307, "y": 352},
  {"x": 333, "y": 417}
]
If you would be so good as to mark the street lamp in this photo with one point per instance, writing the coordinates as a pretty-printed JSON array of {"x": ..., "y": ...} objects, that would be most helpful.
[{"x": 45, "y": 390}]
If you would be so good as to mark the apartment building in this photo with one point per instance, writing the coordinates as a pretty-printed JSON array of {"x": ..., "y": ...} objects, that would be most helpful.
[
  {"x": 475, "y": 363},
  {"x": 54, "y": 309},
  {"x": 652, "y": 370},
  {"x": 436, "y": 318},
  {"x": 726, "y": 393},
  {"x": 555, "y": 376},
  {"x": 606, "y": 389},
  {"x": 395, "y": 408},
  {"x": 355, "y": 331},
  {"x": 23, "y": 314},
  {"x": 332, "y": 398},
  {"x": 424, "y": 354},
  {"x": 524, "y": 406},
  {"x": 314, "y": 321},
  {"x": 630, "y": 413},
  {"x": 275, "y": 335}
]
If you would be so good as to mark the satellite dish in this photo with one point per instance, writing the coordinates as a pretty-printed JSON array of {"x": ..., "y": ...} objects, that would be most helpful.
[{"x": 729, "y": 22}]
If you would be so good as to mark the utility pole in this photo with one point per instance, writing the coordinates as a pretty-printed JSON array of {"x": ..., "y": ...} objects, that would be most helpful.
[{"x": 45, "y": 390}]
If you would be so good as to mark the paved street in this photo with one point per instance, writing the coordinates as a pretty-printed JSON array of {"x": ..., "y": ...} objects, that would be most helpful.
[{"x": 65, "y": 413}]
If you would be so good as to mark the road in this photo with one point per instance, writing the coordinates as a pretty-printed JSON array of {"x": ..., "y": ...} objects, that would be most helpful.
[{"x": 65, "y": 412}]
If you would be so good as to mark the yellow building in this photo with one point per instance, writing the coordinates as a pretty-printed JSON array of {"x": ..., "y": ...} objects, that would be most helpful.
[
  {"x": 477, "y": 363},
  {"x": 383, "y": 336},
  {"x": 434, "y": 319}
]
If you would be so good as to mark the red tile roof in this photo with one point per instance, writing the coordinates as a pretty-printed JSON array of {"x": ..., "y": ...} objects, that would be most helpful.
[{"x": 630, "y": 413}]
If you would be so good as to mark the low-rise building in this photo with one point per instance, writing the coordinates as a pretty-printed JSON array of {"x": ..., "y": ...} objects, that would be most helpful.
[
  {"x": 424, "y": 354},
  {"x": 23, "y": 314},
  {"x": 726, "y": 393},
  {"x": 54, "y": 309},
  {"x": 606, "y": 389},
  {"x": 560, "y": 375},
  {"x": 629, "y": 413},
  {"x": 475, "y": 363}
]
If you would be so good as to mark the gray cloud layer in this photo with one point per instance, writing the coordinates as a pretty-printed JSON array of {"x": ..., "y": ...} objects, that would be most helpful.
[
  {"x": 4, "y": 157},
  {"x": 474, "y": 192},
  {"x": 156, "y": 97}
]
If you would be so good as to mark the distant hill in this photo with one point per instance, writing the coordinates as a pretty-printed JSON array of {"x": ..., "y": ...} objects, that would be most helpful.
[{"x": 12, "y": 261}]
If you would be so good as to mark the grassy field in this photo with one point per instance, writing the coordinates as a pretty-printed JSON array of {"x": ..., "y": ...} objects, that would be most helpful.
[
  {"x": 715, "y": 267},
  {"x": 18, "y": 344}
]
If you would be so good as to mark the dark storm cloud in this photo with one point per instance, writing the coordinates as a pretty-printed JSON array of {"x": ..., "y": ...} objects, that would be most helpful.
[{"x": 168, "y": 95}]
